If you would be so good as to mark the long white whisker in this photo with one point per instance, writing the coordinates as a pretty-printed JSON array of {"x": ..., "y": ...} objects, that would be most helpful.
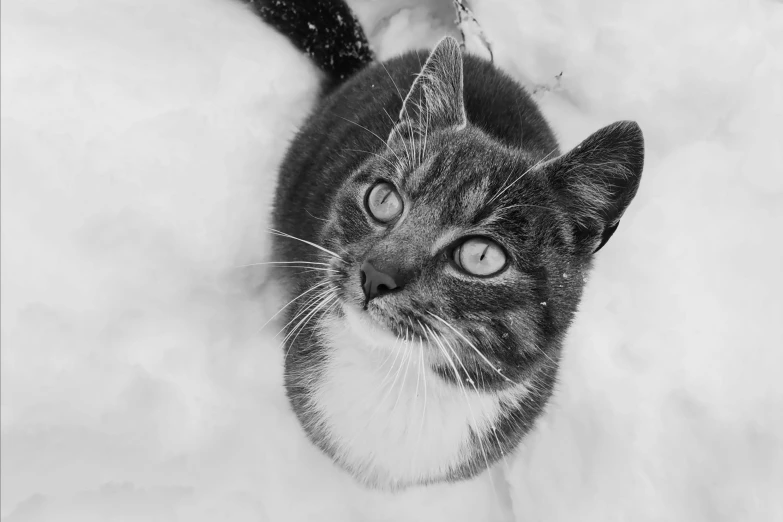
[
  {"x": 371, "y": 397},
  {"x": 394, "y": 381},
  {"x": 283, "y": 263},
  {"x": 319, "y": 247},
  {"x": 306, "y": 269},
  {"x": 424, "y": 375},
  {"x": 426, "y": 131},
  {"x": 509, "y": 185},
  {"x": 473, "y": 384},
  {"x": 314, "y": 287},
  {"x": 525, "y": 205},
  {"x": 421, "y": 132},
  {"x": 403, "y": 109},
  {"x": 320, "y": 307},
  {"x": 461, "y": 386},
  {"x": 397, "y": 132},
  {"x": 393, "y": 83},
  {"x": 545, "y": 355},
  {"x": 478, "y": 352},
  {"x": 311, "y": 301},
  {"x": 394, "y": 167},
  {"x": 420, "y": 108},
  {"x": 316, "y": 217},
  {"x": 397, "y": 373},
  {"x": 303, "y": 322},
  {"x": 396, "y": 351},
  {"x": 371, "y": 132},
  {"x": 408, "y": 352}
]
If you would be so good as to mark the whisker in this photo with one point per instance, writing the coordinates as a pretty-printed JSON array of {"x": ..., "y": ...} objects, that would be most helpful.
[
  {"x": 478, "y": 352},
  {"x": 418, "y": 379},
  {"x": 371, "y": 397},
  {"x": 306, "y": 269},
  {"x": 395, "y": 85},
  {"x": 420, "y": 108},
  {"x": 525, "y": 205},
  {"x": 314, "y": 287},
  {"x": 424, "y": 374},
  {"x": 303, "y": 322},
  {"x": 421, "y": 132},
  {"x": 393, "y": 165},
  {"x": 408, "y": 351},
  {"x": 319, "y": 247},
  {"x": 421, "y": 373},
  {"x": 316, "y": 217},
  {"x": 509, "y": 185},
  {"x": 473, "y": 384},
  {"x": 461, "y": 386},
  {"x": 371, "y": 132},
  {"x": 426, "y": 131},
  {"x": 546, "y": 355},
  {"x": 394, "y": 382},
  {"x": 283, "y": 263},
  {"x": 396, "y": 131},
  {"x": 396, "y": 351},
  {"x": 303, "y": 268},
  {"x": 311, "y": 301},
  {"x": 321, "y": 307},
  {"x": 403, "y": 109}
]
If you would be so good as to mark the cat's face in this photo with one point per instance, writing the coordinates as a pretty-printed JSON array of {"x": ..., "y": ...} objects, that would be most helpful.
[
  {"x": 476, "y": 246},
  {"x": 455, "y": 266}
]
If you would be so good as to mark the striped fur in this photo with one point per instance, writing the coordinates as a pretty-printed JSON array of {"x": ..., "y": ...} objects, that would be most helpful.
[{"x": 470, "y": 155}]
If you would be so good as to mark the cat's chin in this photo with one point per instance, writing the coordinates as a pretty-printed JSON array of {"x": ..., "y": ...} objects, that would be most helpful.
[
  {"x": 378, "y": 409},
  {"x": 370, "y": 326}
]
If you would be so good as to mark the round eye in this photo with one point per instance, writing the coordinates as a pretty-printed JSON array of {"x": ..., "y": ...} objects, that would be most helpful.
[
  {"x": 480, "y": 256},
  {"x": 383, "y": 202}
]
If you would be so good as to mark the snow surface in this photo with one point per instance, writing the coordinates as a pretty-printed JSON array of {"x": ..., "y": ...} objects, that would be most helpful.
[{"x": 140, "y": 140}]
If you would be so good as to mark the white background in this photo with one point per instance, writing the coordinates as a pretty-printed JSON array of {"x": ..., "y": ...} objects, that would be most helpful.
[{"x": 140, "y": 141}]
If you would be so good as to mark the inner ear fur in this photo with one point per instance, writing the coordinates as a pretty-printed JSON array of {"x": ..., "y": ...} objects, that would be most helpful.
[
  {"x": 597, "y": 180},
  {"x": 435, "y": 100}
]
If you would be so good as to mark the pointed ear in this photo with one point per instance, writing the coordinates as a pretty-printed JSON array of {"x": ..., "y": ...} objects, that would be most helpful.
[
  {"x": 435, "y": 99},
  {"x": 596, "y": 181}
]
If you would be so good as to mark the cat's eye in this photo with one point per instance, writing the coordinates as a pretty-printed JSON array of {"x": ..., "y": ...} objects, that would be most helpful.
[
  {"x": 383, "y": 202},
  {"x": 480, "y": 256}
]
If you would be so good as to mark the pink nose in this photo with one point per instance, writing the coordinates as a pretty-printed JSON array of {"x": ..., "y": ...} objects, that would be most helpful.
[{"x": 375, "y": 282}]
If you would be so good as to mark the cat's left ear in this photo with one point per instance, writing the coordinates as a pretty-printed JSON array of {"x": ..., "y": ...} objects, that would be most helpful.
[
  {"x": 597, "y": 180},
  {"x": 435, "y": 99}
]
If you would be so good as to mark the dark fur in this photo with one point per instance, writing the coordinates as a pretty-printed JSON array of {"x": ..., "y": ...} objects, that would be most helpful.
[
  {"x": 557, "y": 212},
  {"x": 325, "y": 30}
]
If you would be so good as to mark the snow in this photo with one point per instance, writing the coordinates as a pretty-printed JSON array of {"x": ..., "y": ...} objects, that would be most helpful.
[{"x": 140, "y": 140}]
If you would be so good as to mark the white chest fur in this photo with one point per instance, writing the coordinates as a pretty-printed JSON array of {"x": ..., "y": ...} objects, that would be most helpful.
[{"x": 391, "y": 418}]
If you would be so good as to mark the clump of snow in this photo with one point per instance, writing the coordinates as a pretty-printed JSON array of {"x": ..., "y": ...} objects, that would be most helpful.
[
  {"x": 140, "y": 141},
  {"x": 669, "y": 400}
]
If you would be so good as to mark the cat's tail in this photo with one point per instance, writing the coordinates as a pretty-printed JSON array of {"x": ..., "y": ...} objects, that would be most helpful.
[{"x": 326, "y": 30}]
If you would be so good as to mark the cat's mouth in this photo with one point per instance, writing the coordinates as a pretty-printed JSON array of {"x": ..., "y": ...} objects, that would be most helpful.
[{"x": 379, "y": 322}]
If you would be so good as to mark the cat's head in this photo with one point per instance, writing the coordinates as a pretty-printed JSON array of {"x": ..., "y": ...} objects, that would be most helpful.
[{"x": 467, "y": 255}]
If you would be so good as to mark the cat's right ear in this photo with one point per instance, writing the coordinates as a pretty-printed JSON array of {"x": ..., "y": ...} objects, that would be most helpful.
[
  {"x": 597, "y": 180},
  {"x": 435, "y": 99}
]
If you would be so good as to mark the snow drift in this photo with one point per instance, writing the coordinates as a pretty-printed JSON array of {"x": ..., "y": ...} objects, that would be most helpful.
[{"x": 140, "y": 141}]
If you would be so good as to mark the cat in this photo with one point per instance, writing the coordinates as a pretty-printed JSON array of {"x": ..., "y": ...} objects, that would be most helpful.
[{"x": 435, "y": 243}]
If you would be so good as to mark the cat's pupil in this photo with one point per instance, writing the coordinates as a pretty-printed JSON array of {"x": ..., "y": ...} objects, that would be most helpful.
[
  {"x": 480, "y": 256},
  {"x": 383, "y": 202}
]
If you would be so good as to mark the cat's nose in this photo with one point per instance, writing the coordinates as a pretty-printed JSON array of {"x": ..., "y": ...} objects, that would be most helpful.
[{"x": 375, "y": 282}]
